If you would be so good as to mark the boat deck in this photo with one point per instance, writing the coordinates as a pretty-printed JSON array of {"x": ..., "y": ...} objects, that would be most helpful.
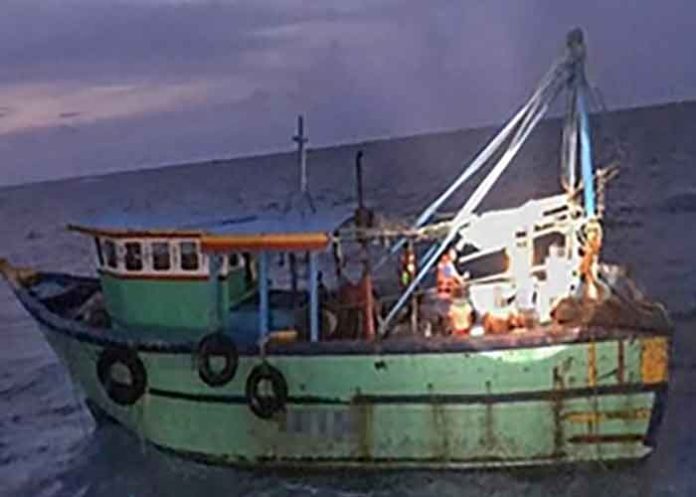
[{"x": 59, "y": 299}]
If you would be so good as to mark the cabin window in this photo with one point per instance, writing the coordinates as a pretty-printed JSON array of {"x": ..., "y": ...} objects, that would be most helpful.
[
  {"x": 161, "y": 259},
  {"x": 235, "y": 261},
  {"x": 189, "y": 256},
  {"x": 100, "y": 254},
  {"x": 134, "y": 256},
  {"x": 110, "y": 254}
]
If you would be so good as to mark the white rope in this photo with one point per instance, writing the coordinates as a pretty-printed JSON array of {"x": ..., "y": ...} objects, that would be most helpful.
[
  {"x": 480, "y": 160},
  {"x": 462, "y": 216},
  {"x": 570, "y": 146},
  {"x": 482, "y": 190},
  {"x": 546, "y": 82}
]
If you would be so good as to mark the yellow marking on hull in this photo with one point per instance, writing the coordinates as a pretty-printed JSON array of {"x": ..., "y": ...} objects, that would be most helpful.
[
  {"x": 582, "y": 417},
  {"x": 654, "y": 360}
]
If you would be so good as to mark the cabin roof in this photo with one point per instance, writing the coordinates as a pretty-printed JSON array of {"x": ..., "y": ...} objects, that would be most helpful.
[{"x": 291, "y": 230}]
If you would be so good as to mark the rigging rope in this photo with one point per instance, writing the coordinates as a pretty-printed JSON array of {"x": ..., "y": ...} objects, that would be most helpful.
[
  {"x": 472, "y": 203},
  {"x": 549, "y": 79}
]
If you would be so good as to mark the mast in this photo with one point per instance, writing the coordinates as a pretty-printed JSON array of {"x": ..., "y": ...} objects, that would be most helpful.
[
  {"x": 301, "y": 201},
  {"x": 577, "y": 127},
  {"x": 301, "y": 139},
  {"x": 568, "y": 73}
]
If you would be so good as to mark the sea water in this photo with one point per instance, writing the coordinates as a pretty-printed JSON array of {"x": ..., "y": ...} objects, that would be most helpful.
[{"x": 49, "y": 444}]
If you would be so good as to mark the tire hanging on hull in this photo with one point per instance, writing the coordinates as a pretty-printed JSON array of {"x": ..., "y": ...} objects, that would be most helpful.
[
  {"x": 121, "y": 393},
  {"x": 266, "y": 404},
  {"x": 217, "y": 344}
]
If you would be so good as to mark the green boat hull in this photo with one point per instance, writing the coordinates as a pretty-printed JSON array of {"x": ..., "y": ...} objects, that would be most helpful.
[{"x": 569, "y": 402}]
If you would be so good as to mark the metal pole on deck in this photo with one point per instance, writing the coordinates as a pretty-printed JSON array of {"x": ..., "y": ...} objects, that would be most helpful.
[
  {"x": 292, "y": 264},
  {"x": 359, "y": 179},
  {"x": 414, "y": 296},
  {"x": 263, "y": 295},
  {"x": 586, "y": 157},
  {"x": 363, "y": 220},
  {"x": 313, "y": 298}
]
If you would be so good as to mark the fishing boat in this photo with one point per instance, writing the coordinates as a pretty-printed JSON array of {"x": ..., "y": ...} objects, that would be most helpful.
[{"x": 455, "y": 340}]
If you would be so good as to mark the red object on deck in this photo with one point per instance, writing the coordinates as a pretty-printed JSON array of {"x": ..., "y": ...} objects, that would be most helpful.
[{"x": 368, "y": 306}]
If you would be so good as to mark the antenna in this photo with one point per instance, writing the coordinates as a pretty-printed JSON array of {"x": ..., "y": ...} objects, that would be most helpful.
[
  {"x": 302, "y": 202},
  {"x": 301, "y": 139}
]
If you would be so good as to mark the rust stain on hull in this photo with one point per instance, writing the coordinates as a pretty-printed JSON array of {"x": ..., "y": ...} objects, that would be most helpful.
[
  {"x": 363, "y": 415},
  {"x": 620, "y": 362},
  {"x": 557, "y": 408},
  {"x": 592, "y": 365},
  {"x": 440, "y": 440},
  {"x": 489, "y": 432},
  {"x": 596, "y": 417}
]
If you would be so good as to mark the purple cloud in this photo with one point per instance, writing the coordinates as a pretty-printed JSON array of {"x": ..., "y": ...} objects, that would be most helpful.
[{"x": 160, "y": 81}]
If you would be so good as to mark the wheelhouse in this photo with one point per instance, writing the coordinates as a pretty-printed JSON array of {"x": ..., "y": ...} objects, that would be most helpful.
[
  {"x": 193, "y": 283},
  {"x": 163, "y": 279}
]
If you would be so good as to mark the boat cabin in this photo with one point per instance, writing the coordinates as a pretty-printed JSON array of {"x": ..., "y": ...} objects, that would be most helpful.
[
  {"x": 194, "y": 282},
  {"x": 152, "y": 279}
]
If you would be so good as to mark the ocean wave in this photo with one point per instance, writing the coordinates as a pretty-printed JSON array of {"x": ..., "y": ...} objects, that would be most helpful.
[
  {"x": 684, "y": 202},
  {"x": 684, "y": 315}
]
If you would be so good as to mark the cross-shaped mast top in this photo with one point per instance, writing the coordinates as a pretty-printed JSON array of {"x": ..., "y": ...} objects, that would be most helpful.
[{"x": 301, "y": 139}]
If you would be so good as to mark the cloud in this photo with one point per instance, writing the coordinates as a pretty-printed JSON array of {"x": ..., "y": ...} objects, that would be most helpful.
[
  {"x": 241, "y": 69},
  {"x": 88, "y": 39},
  {"x": 44, "y": 105}
]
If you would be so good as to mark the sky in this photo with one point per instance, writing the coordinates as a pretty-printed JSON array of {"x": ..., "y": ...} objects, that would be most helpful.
[{"x": 95, "y": 86}]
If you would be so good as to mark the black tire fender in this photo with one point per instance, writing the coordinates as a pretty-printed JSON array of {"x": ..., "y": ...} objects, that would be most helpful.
[
  {"x": 217, "y": 344},
  {"x": 123, "y": 394},
  {"x": 273, "y": 400}
]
